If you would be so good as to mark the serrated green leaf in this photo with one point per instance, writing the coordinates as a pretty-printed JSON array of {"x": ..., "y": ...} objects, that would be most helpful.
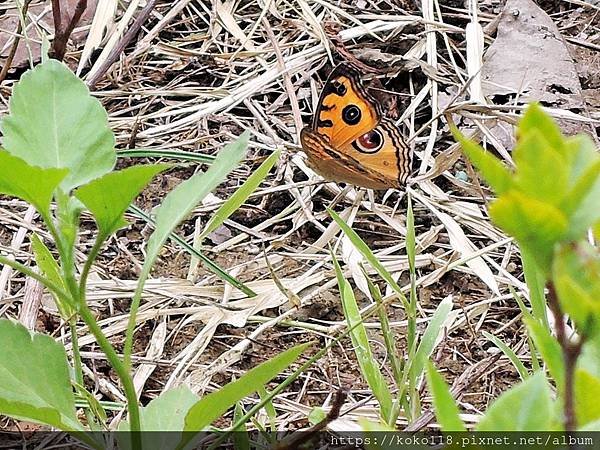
[
  {"x": 536, "y": 225},
  {"x": 213, "y": 405},
  {"x": 495, "y": 173},
  {"x": 54, "y": 122},
  {"x": 30, "y": 183},
  {"x": 524, "y": 407},
  {"x": 446, "y": 410},
  {"x": 109, "y": 196},
  {"x": 576, "y": 274},
  {"x": 536, "y": 120},
  {"x": 541, "y": 171},
  {"x": 34, "y": 378}
]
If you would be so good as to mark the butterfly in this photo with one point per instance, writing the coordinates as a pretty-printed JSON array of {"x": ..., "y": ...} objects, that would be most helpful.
[{"x": 350, "y": 140}]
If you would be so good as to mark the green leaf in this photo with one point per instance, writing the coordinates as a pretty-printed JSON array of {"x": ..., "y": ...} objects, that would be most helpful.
[
  {"x": 592, "y": 426},
  {"x": 434, "y": 330},
  {"x": 381, "y": 429},
  {"x": 494, "y": 172},
  {"x": 582, "y": 203},
  {"x": 109, "y": 197},
  {"x": 536, "y": 282},
  {"x": 269, "y": 408},
  {"x": 541, "y": 170},
  {"x": 34, "y": 378},
  {"x": 536, "y": 120},
  {"x": 32, "y": 184},
  {"x": 536, "y": 225},
  {"x": 50, "y": 269},
  {"x": 176, "y": 206},
  {"x": 510, "y": 354},
  {"x": 446, "y": 410},
  {"x": 583, "y": 154},
  {"x": 183, "y": 199},
  {"x": 587, "y": 393},
  {"x": 213, "y": 405},
  {"x": 589, "y": 359},
  {"x": 241, "y": 440},
  {"x": 369, "y": 367},
  {"x": 548, "y": 347},
  {"x": 240, "y": 195},
  {"x": 364, "y": 249},
  {"x": 389, "y": 337},
  {"x": 316, "y": 415},
  {"x": 525, "y": 407},
  {"x": 210, "y": 265},
  {"x": 54, "y": 122},
  {"x": 166, "y": 414},
  {"x": 577, "y": 280}
]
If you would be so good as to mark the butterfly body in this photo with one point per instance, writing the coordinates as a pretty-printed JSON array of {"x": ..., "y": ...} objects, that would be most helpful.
[{"x": 350, "y": 140}]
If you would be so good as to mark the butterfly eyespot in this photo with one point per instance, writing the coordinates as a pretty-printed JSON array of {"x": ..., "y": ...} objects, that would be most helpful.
[
  {"x": 370, "y": 142},
  {"x": 351, "y": 114},
  {"x": 339, "y": 88}
]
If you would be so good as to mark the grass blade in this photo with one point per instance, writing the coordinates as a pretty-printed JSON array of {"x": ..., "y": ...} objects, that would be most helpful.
[
  {"x": 509, "y": 353},
  {"x": 364, "y": 249},
  {"x": 446, "y": 409},
  {"x": 360, "y": 341}
]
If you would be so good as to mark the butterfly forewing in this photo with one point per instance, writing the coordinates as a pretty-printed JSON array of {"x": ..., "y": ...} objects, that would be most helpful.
[{"x": 346, "y": 110}]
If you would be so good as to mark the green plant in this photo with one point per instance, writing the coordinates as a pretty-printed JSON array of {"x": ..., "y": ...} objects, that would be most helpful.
[
  {"x": 58, "y": 155},
  {"x": 408, "y": 372},
  {"x": 550, "y": 204}
]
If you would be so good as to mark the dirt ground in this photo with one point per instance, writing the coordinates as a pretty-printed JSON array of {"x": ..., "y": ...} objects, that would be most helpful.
[{"x": 187, "y": 85}]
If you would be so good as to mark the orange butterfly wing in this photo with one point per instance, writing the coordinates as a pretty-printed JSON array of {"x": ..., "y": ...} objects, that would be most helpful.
[
  {"x": 345, "y": 110},
  {"x": 350, "y": 141},
  {"x": 388, "y": 167}
]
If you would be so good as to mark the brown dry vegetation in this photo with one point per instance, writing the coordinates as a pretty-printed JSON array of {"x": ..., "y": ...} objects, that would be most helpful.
[{"x": 198, "y": 73}]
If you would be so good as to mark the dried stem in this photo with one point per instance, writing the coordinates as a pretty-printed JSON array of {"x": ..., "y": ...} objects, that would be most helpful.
[
  {"x": 297, "y": 440},
  {"x": 15, "y": 44},
  {"x": 125, "y": 40},
  {"x": 61, "y": 35}
]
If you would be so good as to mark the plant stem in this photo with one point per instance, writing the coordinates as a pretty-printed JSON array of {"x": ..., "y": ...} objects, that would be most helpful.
[
  {"x": 56, "y": 289},
  {"x": 571, "y": 351},
  {"x": 120, "y": 369},
  {"x": 78, "y": 368},
  {"x": 89, "y": 261}
]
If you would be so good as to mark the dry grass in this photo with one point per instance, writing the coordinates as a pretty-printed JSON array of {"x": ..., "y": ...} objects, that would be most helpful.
[{"x": 199, "y": 73}]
